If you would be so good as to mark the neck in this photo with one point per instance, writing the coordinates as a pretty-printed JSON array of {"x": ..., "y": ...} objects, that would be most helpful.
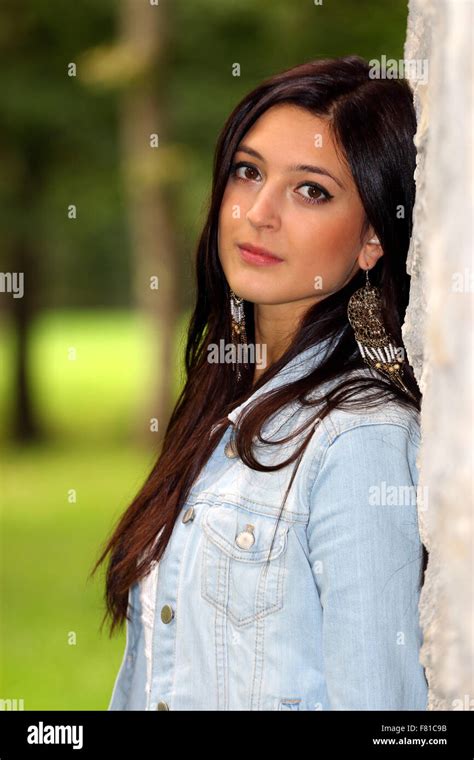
[{"x": 275, "y": 328}]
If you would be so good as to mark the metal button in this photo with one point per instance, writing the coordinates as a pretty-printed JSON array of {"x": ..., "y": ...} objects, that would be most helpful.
[
  {"x": 167, "y": 613},
  {"x": 246, "y": 538},
  {"x": 162, "y": 706},
  {"x": 230, "y": 450},
  {"x": 188, "y": 515}
]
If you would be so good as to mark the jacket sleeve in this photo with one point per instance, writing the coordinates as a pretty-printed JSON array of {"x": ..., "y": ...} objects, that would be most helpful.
[{"x": 366, "y": 557}]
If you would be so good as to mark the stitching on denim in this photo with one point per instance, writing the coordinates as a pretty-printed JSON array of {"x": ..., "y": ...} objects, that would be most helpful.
[
  {"x": 258, "y": 662},
  {"x": 216, "y": 655},
  {"x": 316, "y": 457},
  {"x": 175, "y": 639},
  {"x": 148, "y": 592},
  {"x": 247, "y": 503},
  {"x": 356, "y": 423},
  {"x": 221, "y": 637},
  {"x": 305, "y": 548}
]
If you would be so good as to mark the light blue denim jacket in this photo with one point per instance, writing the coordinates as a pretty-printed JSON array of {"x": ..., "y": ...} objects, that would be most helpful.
[{"x": 332, "y": 624}]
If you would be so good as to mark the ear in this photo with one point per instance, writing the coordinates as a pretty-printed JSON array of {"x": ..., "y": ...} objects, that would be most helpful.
[{"x": 370, "y": 252}]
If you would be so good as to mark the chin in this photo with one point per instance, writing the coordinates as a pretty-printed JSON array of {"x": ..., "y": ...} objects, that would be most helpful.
[
  {"x": 261, "y": 297},
  {"x": 249, "y": 286}
]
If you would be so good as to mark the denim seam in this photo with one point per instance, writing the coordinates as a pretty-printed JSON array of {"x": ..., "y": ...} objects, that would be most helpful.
[
  {"x": 245, "y": 502},
  {"x": 176, "y": 619}
]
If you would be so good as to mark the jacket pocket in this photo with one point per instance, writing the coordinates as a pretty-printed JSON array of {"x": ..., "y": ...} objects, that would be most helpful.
[{"x": 235, "y": 574}]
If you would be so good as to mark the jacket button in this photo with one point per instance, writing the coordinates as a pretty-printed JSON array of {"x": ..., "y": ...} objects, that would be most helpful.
[
  {"x": 246, "y": 539},
  {"x": 229, "y": 450},
  {"x": 188, "y": 515},
  {"x": 162, "y": 706},
  {"x": 167, "y": 613}
]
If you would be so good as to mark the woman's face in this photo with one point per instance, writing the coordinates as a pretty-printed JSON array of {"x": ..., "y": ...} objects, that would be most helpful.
[{"x": 311, "y": 218}]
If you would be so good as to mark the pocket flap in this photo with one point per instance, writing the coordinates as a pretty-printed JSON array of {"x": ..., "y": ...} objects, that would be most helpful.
[{"x": 243, "y": 535}]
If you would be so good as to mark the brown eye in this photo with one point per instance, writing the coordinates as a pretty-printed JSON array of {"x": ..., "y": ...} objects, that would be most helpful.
[
  {"x": 314, "y": 193},
  {"x": 318, "y": 194},
  {"x": 247, "y": 168}
]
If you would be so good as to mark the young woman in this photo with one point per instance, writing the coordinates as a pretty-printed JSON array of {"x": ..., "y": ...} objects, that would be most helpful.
[{"x": 272, "y": 559}]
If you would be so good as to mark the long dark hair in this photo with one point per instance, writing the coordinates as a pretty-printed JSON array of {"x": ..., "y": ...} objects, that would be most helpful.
[{"x": 373, "y": 124}]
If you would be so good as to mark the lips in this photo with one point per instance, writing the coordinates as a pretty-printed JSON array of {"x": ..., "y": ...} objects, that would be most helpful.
[{"x": 259, "y": 253}]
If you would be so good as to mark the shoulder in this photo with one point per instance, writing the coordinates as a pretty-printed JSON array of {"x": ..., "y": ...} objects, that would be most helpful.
[
  {"x": 389, "y": 412},
  {"x": 341, "y": 421},
  {"x": 378, "y": 440}
]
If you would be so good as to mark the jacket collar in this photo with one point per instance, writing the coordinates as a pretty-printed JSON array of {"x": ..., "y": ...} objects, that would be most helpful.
[{"x": 299, "y": 366}]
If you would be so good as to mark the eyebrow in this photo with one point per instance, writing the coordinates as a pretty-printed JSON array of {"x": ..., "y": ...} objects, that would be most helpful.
[{"x": 295, "y": 168}]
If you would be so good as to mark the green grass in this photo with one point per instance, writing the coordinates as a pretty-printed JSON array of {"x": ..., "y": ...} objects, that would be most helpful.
[{"x": 49, "y": 542}]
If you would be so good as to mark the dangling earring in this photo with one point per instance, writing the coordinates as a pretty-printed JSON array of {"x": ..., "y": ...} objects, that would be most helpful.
[
  {"x": 238, "y": 332},
  {"x": 364, "y": 311}
]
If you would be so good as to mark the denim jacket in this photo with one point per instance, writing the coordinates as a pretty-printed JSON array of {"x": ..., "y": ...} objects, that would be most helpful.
[{"x": 331, "y": 621}]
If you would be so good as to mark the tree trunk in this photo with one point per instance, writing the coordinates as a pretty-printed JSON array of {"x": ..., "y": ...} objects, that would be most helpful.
[
  {"x": 25, "y": 254},
  {"x": 151, "y": 227}
]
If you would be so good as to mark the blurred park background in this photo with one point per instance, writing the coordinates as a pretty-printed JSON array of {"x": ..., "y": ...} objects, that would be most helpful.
[{"x": 109, "y": 116}]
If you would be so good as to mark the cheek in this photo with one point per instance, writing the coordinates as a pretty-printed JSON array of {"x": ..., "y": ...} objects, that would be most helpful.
[
  {"x": 226, "y": 232},
  {"x": 226, "y": 216},
  {"x": 331, "y": 234}
]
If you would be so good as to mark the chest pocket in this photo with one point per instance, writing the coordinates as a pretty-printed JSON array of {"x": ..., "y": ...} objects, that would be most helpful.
[{"x": 235, "y": 575}]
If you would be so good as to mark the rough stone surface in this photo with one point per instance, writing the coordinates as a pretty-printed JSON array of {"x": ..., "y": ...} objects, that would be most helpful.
[{"x": 438, "y": 336}]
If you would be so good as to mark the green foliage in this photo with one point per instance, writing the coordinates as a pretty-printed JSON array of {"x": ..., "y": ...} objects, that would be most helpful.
[
  {"x": 90, "y": 408},
  {"x": 65, "y": 130},
  {"x": 49, "y": 548}
]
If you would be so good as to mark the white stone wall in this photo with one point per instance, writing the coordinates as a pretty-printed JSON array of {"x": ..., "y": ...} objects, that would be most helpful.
[{"x": 438, "y": 334}]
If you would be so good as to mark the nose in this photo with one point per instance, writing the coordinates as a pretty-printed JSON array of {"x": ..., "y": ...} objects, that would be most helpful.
[{"x": 262, "y": 212}]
